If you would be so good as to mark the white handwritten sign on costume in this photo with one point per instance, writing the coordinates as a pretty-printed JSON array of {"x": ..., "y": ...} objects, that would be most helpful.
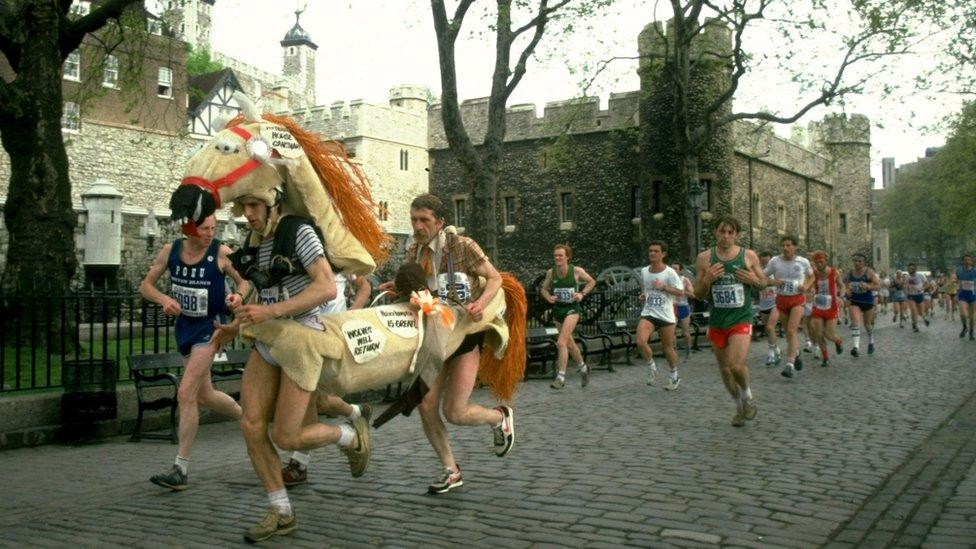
[
  {"x": 281, "y": 140},
  {"x": 402, "y": 323},
  {"x": 365, "y": 342}
]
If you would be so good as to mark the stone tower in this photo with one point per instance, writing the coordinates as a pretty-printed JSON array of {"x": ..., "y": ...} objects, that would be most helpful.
[
  {"x": 846, "y": 141},
  {"x": 411, "y": 98},
  {"x": 191, "y": 21},
  {"x": 298, "y": 63},
  {"x": 665, "y": 212}
]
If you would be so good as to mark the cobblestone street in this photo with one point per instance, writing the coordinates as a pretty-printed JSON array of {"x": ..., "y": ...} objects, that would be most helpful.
[{"x": 872, "y": 451}]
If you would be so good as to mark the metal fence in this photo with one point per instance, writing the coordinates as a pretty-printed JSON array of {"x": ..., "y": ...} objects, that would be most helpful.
[{"x": 42, "y": 332}]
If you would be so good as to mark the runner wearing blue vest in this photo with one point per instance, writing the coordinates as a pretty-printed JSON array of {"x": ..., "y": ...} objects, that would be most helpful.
[
  {"x": 861, "y": 282},
  {"x": 966, "y": 280},
  {"x": 196, "y": 267}
]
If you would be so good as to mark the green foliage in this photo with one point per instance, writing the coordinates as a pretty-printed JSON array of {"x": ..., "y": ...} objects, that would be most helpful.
[
  {"x": 199, "y": 62},
  {"x": 930, "y": 208}
]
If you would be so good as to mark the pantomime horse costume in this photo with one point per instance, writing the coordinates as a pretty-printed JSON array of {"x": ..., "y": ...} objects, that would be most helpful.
[{"x": 255, "y": 155}]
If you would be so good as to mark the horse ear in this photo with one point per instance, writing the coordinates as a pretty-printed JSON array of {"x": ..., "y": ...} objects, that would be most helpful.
[{"x": 248, "y": 108}]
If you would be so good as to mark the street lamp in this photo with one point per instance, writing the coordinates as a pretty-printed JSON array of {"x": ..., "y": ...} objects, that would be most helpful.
[
  {"x": 150, "y": 228},
  {"x": 697, "y": 204}
]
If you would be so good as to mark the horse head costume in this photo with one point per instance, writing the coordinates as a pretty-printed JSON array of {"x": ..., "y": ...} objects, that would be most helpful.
[{"x": 256, "y": 155}]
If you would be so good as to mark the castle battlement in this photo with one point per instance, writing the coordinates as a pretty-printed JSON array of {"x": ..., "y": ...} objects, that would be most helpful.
[
  {"x": 758, "y": 141},
  {"x": 577, "y": 115}
]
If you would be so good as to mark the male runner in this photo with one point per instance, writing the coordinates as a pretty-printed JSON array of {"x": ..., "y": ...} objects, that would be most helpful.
[
  {"x": 682, "y": 309},
  {"x": 823, "y": 321},
  {"x": 561, "y": 288},
  {"x": 196, "y": 267},
  {"x": 267, "y": 390},
  {"x": 899, "y": 299},
  {"x": 769, "y": 314},
  {"x": 916, "y": 283},
  {"x": 793, "y": 277},
  {"x": 722, "y": 274},
  {"x": 861, "y": 281},
  {"x": 966, "y": 277},
  {"x": 660, "y": 285},
  {"x": 452, "y": 389}
]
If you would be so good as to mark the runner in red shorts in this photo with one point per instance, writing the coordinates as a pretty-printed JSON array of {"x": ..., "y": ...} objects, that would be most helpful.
[
  {"x": 826, "y": 309},
  {"x": 793, "y": 277},
  {"x": 721, "y": 276}
]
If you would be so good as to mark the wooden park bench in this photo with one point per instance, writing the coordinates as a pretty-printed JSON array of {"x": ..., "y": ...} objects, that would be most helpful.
[
  {"x": 164, "y": 370},
  {"x": 622, "y": 334}
]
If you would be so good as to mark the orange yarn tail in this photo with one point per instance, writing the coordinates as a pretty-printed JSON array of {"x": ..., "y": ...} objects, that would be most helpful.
[{"x": 501, "y": 376}]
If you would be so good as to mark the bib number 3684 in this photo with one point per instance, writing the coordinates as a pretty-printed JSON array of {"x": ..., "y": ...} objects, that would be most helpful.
[{"x": 728, "y": 296}]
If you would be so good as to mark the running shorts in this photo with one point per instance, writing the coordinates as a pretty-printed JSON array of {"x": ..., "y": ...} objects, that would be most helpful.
[
  {"x": 560, "y": 311},
  {"x": 720, "y": 336},
  {"x": 863, "y": 306},
  {"x": 657, "y": 322},
  {"x": 826, "y": 314},
  {"x": 785, "y": 303},
  {"x": 917, "y": 298},
  {"x": 967, "y": 296},
  {"x": 682, "y": 311}
]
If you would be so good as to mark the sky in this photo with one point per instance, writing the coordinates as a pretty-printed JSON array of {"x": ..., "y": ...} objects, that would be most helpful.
[{"x": 368, "y": 46}]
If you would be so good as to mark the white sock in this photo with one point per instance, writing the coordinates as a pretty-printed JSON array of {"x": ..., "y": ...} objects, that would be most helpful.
[
  {"x": 356, "y": 411},
  {"x": 772, "y": 350},
  {"x": 745, "y": 394},
  {"x": 871, "y": 337},
  {"x": 183, "y": 463},
  {"x": 561, "y": 375},
  {"x": 856, "y": 333},
  {"x": 303, "y": 459},
  {"x": 652, "y": 365},
  {"x": 582, "y": 367},
  {"x": 674, "y": 374},
  {"x": 279, "y": 500},
  {"x": 347, "y": 436}
]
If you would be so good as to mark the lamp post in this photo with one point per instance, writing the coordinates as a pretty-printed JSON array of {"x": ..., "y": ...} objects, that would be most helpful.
[{"x": 697, "y": 203}]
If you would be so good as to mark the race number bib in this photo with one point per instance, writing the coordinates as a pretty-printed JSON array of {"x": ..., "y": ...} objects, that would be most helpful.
[
  {"x": 460, "y": 287},
  {"x": 857, "y": 287},
  {"x": 563, "y": 295},
  {"x": 193, "y": 301},
  {"x": 654, "y": 300},
  {"x": 822, "y": 301},
  {"x": 788, "y": 287},
  {"x": 728, "y": 296},
  {"x": 966, "y": 285},
  {"x": 269, "y": 296}
]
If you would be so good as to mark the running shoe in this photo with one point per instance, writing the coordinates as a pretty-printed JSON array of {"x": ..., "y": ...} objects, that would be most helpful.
[
  {"x": 358, "y": 456},
  {"x": 273, "y": 524},
  {"x": 673, "y": 383},
  {"x": 808, "y": 347},
  {"x": 962, "y": 334},
  {"x": 558, "y": 383},
  {"x": 449, "y": 480},
  {"x": 870, "y": 348},
  {"x": 293, "y": 474},
  {"x": 915, "y": 327},
  {"x": 855, "y": 352},
  {"x": 893, "y": 320},
  {"x": 739, "y": 419},
  {"x": 824, "y": 363},
  {"x": 839, "y": 347},
  {"x": 174, "y": 479},
  {"x": 771, "y": 360},
  {"x": 584, "y": 373},
  {"x": 926, "y": 321},
  {"x": 798, "y": 364},
  {"x": 504, "y": 434},
  {"x": 652, "y": 377},
  {"x": 788, "y": 371},
  {"x": 749, "y": 409}
]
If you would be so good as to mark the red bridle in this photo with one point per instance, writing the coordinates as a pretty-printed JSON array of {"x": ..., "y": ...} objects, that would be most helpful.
[{"x": 213, "y": 187}]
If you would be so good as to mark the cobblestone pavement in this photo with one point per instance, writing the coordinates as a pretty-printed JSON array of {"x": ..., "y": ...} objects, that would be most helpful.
[{"x": 872, "y": 451}]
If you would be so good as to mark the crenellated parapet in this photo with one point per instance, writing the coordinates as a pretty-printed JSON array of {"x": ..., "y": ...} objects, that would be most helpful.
[{"x": 573, "y": 116}]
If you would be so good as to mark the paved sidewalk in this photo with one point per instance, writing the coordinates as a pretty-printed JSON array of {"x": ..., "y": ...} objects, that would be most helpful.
[{"x": 872, "y": 451}]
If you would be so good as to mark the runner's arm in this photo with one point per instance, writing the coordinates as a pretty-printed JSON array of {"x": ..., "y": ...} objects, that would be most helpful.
[
  {"x": 581, "y": 274},
  {"x": 546, "y": 285},
  {"x": 241, "y": 286},
  {"x": 147, "y": 288},
  {"x": 363, "y": 289}
]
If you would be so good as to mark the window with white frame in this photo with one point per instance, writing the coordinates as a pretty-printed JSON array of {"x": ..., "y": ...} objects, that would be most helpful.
[
  {"x": 80, "y": 8},
  {"x": 164, "y": 87},
  {"x": 566, "y": 210},
  {"x": 110, "y": 71},
  {"x": 71, "y": 117},
  {"x": 72, "y": 66},
  {"x": 460, "y": 213},
  {"x": 509, "y": 206}
]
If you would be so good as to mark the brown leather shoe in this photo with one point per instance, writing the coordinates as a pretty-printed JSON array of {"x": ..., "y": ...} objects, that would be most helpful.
[{"x": 293, "y": 474}]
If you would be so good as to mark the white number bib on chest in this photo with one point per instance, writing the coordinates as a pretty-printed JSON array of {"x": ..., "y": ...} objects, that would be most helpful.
[
  {"x": 728, "y": 296},
  {"x": 966, "y": 285},
  {"x": 654, "y": 300},
  {"x": 563, "y": 295},
  {"x": 193, "y": 301},
  {"x": 459, "y": 285},
  {"x": 789, "y": 287},
  {"x": 269, "y": 296}
]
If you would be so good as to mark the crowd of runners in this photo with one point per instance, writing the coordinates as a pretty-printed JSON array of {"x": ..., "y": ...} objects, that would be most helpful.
[{"x": 791, "y": 294}]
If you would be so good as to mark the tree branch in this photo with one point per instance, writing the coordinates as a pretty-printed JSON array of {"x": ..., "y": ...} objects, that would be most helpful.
[
  {"x": 73, "y": 32},
  {"x": 446, "y": 32}
]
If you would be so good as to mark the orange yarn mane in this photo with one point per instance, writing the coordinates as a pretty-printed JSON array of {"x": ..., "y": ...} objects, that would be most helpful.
[
  {"x": 501, "y": 376},
  {"x": 345, "y": 182}
]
